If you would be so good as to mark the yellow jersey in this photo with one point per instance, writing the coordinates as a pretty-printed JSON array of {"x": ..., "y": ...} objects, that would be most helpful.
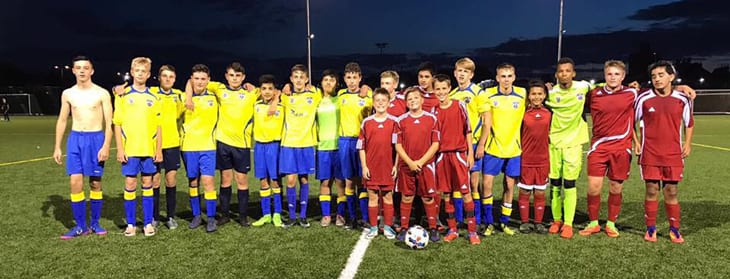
[
  {"x": 138, "y": 115},
  {"x": 171, "y": 106},
  {"x": 199, "y": 125},
  {"x": 353, "y": 109},
  {"x": 474, "y": 99},
  {"x": 235, "y": 114},
  {"x": 267, "y": 128},
  {"x": 507, "y": 112},
  {"x": 299, "y": 114}
]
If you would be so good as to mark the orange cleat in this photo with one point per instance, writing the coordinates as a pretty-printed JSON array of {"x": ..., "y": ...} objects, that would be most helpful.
[
  {"x": 474, "y": 239},
  {"x": 451, "y": 236},
  {"x": 555, "y": 227},
  {"x": 566, "y": 232},
  {"x": 611, "y": 232},
  {"x": 591, "y": 230},
  {"x": 675, "y": 236},
  {"x": 650, "y": 235}
]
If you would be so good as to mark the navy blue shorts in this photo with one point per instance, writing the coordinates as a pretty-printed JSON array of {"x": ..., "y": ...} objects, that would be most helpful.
[
  {"x": 199, "y": 163},
  {"x": 296, "y": 160},
  {"x": 266, "y": 160},
  {"x": 328, "y": 165},
  {"x": 230, "y": 157},
  {"x": 493, "y": 165},
  {"x": 170, "y": 159},
  {"x": 139, "y": 165},
  {"x": 83, "y": 151},
  {"x": 349, "y": 157}
]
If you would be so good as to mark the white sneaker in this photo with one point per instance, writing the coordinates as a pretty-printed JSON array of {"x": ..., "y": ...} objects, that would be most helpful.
[
  {"x": 130, "y": 231},
  {"x": 372, "y": 233},
  {"x": 149, "y": 230}
]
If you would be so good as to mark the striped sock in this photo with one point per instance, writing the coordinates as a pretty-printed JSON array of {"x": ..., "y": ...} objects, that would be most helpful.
[
  {"x": 194, "y": 200},
  {"x": 97, "y": 200},
  {"x": 324, "y": 204},
  {"x": 130, "y": 206},
  {"x": 147, "y": 204},
  {"x": 78, "y": 209},
  {"x": 210, "y": 198}
]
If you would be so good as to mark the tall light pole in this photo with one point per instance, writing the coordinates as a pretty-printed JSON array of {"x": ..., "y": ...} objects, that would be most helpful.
[
  {"x": 560, "y": 31},
  {"x": 61, "y": 69},
  {"x": 310, "y": 36}
]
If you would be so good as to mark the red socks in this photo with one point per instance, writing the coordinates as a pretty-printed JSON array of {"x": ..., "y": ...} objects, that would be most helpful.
[
  {"x": 451, "y": 220},
  {"x": 471, "y": 224},
  {"x": 539, "y": 206},
  {"x": 614, "y": 206},
  {"x": 650, "y": 211},
  {"x": 594, "y": 205},
  {"x": 405, "y": 214},
  {"x": 672, "y": 214},
  {"x": 524, "y": 204},
  {"x": 388, "y": 214}
]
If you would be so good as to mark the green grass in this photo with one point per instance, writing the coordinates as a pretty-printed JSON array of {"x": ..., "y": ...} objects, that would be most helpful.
[{"x": 35, "y": 210}]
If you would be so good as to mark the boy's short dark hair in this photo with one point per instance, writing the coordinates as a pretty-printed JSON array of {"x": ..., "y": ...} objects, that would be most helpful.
[
  {"x": 236, "y": 67},
  {"x": 566, "y": 60},
  {"x": 427, "y": 66},
  {"x": 201, "y": 68},
  {"x": 166, "y": 67},
  {"x": 329, "y": 73},
  {"x": 668, "y": 66},
  {"x": 265, "y": 79},
  {"x": 353, "y": 67},
  {"x": 301, "y": 68},
  {"x": 410, "y": 90},
  {"x": 505, "y": 66},
  {"x": 381, "y": 91},
  {"x": 442, "y": 78},
  {"x": 82, "y": 58}
]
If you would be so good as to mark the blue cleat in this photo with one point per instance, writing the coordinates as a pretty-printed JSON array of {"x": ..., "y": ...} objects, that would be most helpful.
[
  {"x": 97, "y": 229},
  {"x": 74, "y": 233}
]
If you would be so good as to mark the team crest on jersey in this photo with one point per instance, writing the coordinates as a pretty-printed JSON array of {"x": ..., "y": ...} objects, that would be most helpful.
[
  {"x": 515, "y": 104},
  {"x": 557, "y": 99},
  {"x": 580, "y": 96},
  {"x": 241, "y": 96},
  {"x": 276, "y": 113},
  {"x": 309, "y": 100},
  {"x": 496, "y": 103},
  {"x": 210, "y": 103},
  {"x": 361, "y": 103},
  {"x": 149, "y": 103},
  {"x": 131, "y": 101},
  {"x": 343, "y": 101},
  {"x": 291, "y": 100},
  {"x": 225, "y": 95},
  {"x": 467, "y": 100}
]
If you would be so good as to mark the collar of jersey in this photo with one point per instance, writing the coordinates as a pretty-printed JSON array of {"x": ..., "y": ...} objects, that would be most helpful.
[
  {"x": 234, "y": 89},
  {"x": 172, "y": 91},
  {"x": 146, "y": 91},
  {"x": 205, "y": 93},
  {"x": 512, "y": 93},
  {"x": 468, "y": 89}
]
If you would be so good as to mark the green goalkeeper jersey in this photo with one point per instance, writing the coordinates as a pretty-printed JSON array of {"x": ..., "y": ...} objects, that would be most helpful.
[{"x": 568, "y": 128}]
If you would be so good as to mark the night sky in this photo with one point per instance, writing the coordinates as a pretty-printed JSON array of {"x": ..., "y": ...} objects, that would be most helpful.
[{"x": 35, "y": 35}]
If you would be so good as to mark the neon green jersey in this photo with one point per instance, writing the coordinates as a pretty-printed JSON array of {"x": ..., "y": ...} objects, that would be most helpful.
[
  {"x": 568, "y": 128},
  {"x": 328, "y": 113}
]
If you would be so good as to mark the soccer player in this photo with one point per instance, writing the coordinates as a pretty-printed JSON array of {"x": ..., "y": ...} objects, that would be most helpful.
[
  {"x": 87, "y": 145},
  {"x": 568, "y": 133},
  {"x": 661, "y": 113},
  {"x": 389, "y": 81},
  {"x": 535, "y": 158},
  {"x": 612, "y": 112},
  {"x": 375, "y": 145},
  {"x": 139, "y": 144},
  {"x": 328, "y": 164},
  {"x": 506, "y": 108},
  {"x": 456, "y": 155},
  {"x": 296, "y": 158},
  {"x": 353, "y": 109},
  {"x": 426, "y": 71},
  {"x": 5, "y": 108},
  {"x": 267, "y": 134},
  {"x": 198, "y": 146},
  {"x": 417, "y": 142},
  {"x": 471, "y": 94}
]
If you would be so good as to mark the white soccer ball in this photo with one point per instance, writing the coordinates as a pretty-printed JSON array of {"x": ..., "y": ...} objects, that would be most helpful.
[{"x": 416, "y": 237}]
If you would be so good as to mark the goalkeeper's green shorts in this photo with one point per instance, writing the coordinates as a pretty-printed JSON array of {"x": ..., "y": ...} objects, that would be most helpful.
[{"x": 566, "y": 162}]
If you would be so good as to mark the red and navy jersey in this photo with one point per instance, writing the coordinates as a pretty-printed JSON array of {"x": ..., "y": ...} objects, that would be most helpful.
[
  {"x": 612, "y": 113},
  {"x": 453, "y": 123},
  {"x": 377, "y": 139},
  {"x": 417, "y": 133},
  {"x": 535, "y": 137},
  {"x": 660, "y": 119}
]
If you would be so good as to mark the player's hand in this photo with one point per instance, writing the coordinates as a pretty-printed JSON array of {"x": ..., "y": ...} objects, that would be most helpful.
[
  {"x": 103, "y": 154},
  {"x": 57, "y": 155},
  {"x": 189, "y": 105},
  {"x": 686, "y": 148},
  {"x": 121, "y": 156},
  {"x": 286, "y": 90},
  {"x": 119, "y": 89},
  {"x": 635, "y": 85},
  {"x": 364, "y": 89},
  {"x": 470, "y": 161},
  {"x": 366, "y": 173},
  {"x": 413, "y": 167},
  {"x": 637, "y": 149},
  {"x": 158, "y": 157},
  {"x": 394, "y": 172},
  {"x": 479, "y": 153},
  {"x": 249, "y": 87},
  {"x": 687, "y": 90},
  {"x": 549, "y": 85}
]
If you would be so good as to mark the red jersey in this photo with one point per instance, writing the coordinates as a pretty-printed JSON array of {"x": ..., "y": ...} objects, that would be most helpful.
[
  {"x": 660, "y": 119},
  {"x": 430, "y": 102},
  {"x": 417, "y": 133},
  {"x": 535, "y": 137},
  {"x": 453, "y": 123},
  {"x": 612, "y": 113},
  {"x": 377, "y": 139},
  {"x": 397, "y": 106}
]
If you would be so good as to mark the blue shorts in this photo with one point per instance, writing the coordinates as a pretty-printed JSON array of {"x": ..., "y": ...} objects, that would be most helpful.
[
  {"x": 199, "y": 163},
  {"x": 83, "y": 151},
  {"x": 349, "y": 157},
  {"x": 170, "y": 159},
  {"x": 493, "y": 165},
  {"x": 328, "y": 165},
  {"x": 478, "y": 163},
  {"x": 230, "y": 157},
  {"x": 266, "y": 160},
  {"x": 296, "y": 160},
  {"x": 137, "y": 165}
]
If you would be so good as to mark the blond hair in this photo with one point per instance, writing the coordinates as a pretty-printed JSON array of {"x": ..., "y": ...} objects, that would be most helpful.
[
  {"x": 466, "y": 63},
  {"x": 615, "y": 63},
  {"x": 142, "y": 61},
  {"x": 390, "y": 74}
]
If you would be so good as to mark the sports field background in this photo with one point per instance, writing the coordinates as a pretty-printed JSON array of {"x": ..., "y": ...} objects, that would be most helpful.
[{"x": 35, "y": 211}]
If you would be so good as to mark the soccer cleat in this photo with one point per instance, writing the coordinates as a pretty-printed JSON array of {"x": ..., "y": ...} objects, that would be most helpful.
[
  {"x": 326, "y": 221},
  {"x": 196, "y": 222},
  {"x": 650, "y": 235},
  {"x": 372, "y": 232},
  {"x": 589, "y": 230},
  {"x": 402, "y": 235},
  {"x": 611, "y": 231},
  {"x": 155, "y": 223},
  {"x": 489, "y": 230},
  {"x": 131, "y": 230},
  {"x": 388, "y": 232},
  {"x": 540, "y": 228},
  {"x": 211, "y": 225},
  {"x": 244, "y": 222},
  {"x": 675, "y": 236},
  {"x": 451, "y": 236},
  {"x": 362, "y": 224},
  {"x": 526, "y": 228},
  {"x": 566, "y": 232},
  {"x": 266, "y": 219},
  {"x": 171, "y": 223},
  {"x": 223, "y": 220},
  {"x": 506, "y": 229},
  {"x": 149, "y": 230},
  {"x": 555, "y": 227},
  {"x": 290, "y": 223},
  {"x": 474, "y": 239},
  {"x": 433, "y": 235},
  {"x": 73, "y": 233},
  {"x": 304, "y": 223},
  {"x": 340, "y": 221},
  {"x": 352, "y": 225},
  {"x": 97, "y": 229},
  {"x": 277, "y": 220}
]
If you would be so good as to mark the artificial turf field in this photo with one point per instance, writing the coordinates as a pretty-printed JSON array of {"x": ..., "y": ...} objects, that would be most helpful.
[{"x": 35, "y": 210}]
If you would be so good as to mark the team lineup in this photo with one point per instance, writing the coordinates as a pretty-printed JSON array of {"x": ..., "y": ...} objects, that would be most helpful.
[{"x": 375, "y": 151}]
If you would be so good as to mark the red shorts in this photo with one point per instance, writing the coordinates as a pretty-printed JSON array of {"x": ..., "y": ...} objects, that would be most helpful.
[
  {"x": 377, "y": 187},
  {"x": 421, "y": 183},
  {"x": 452, "y": 172},
  {"x": 614, "y": 164},
  {"x": 534, "y": 178},
  {"x": 661, "y": 173}
]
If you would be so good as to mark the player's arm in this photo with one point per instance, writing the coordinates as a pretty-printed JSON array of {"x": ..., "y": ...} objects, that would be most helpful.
[
  {"x": 429, "y": 154},
  {"x": 486, "y": 127},
  {"x": 637, "y": 142},
  {"x": 158, "y": 143},
  {"x": 687, "y": 90},
  {"x": 364, "y": 164},
  {"x": 404, "y": 156},
  {"x": 119, "y": 89},
  {"x": 118, "y": 116},
  {"x": 61, "y": 127},
  {"x": 689, "y": 125},
  {"x": 394, "y": 171},
  {"x": 106, "y": 106}
]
